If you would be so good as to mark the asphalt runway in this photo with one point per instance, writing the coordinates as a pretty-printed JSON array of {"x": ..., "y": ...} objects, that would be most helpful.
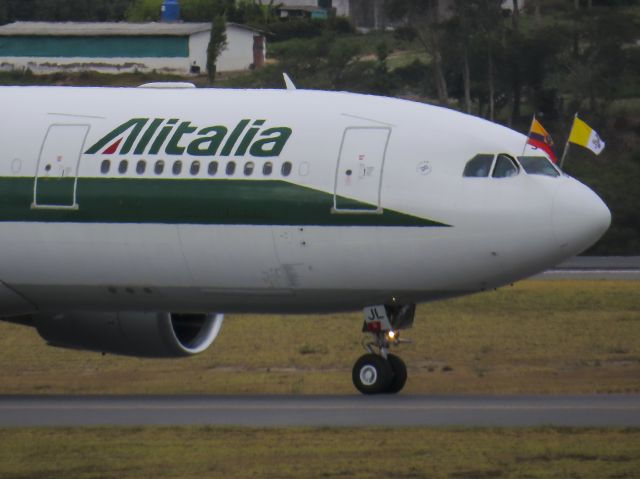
[
  {"x": 322, "y": 411},
  {"x": 596, "y": 267}
]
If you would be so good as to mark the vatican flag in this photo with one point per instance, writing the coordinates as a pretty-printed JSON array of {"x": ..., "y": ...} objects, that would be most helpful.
[{"x": 583, "y": 135}]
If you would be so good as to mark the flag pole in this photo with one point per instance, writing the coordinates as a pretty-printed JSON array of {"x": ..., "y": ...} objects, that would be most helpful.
[
  {"x": 566, "y": 145},
  {"x": 528, "y": 133},
  {"x": 564, "y": 154}
]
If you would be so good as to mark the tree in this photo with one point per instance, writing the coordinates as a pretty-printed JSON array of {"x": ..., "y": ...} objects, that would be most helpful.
[
  {"x": 475, "y": 30},
  {"x": 490, "y": 33},
  {"x": 515, "y": 15},
  {"x": 217, "y": 43},
  {"x": 4, "y": 12},
  {"x": 190, "y": 10},
  {"x": 204, "y": 10},
  {"x": 257, "y": 12},
  {"x": 596, "y": 57},
  {"x": 459, "y": 32},
  {"x": 144, "y": 11},
  {"x": 62, "y": 10},
  {"x": 422, "y": 17}
]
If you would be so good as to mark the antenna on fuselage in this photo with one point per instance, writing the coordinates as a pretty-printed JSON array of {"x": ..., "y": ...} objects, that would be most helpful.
[{"x": 288, "y": 82}]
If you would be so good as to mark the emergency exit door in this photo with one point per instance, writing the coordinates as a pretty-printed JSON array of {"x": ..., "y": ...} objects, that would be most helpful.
[
  {"x": 57, "y": 173},
  {"x": 360, "y": 168}
]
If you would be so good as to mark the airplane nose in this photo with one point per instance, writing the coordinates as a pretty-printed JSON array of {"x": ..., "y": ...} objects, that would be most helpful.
[{"x": 579, "y": 217}]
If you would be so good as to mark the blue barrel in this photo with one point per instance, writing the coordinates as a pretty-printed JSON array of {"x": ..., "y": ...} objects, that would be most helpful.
[{"x": 170, "y": 11}]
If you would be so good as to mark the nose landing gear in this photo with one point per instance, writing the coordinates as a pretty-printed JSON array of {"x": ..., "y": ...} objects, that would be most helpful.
[{"x": 379, "y": 371}]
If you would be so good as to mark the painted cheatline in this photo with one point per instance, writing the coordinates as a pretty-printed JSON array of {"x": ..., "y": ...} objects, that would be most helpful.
[{"x": 583, "y": 135}]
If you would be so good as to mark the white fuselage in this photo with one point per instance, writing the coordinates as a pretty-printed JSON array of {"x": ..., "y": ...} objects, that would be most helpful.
[{"x": 374, "y": 209}]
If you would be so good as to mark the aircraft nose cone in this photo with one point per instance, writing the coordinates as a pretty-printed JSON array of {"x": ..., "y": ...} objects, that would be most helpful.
[{"x": 579, "y": 217}]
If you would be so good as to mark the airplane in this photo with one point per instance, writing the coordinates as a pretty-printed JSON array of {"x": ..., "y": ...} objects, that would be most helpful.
[{"x": 133, "y": 219}]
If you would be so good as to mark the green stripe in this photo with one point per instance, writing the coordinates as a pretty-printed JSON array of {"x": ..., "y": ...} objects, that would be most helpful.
[
  {"x": 184, "y": 201},
  {"x": 95, "y": 47}
]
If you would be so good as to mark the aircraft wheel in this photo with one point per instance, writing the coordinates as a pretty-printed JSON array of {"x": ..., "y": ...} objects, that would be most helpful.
[
  {"x": 399, "y": 369},
  {"x": 372, "y": 374}
]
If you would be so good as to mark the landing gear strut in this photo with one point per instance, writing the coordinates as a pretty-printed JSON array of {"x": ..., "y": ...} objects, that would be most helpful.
[{"x": 379, "y": 371}]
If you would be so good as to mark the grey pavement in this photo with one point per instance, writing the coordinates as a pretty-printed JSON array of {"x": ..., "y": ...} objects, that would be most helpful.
[
  {"x": 596, "y": 267},
  {"x": 335, "y": 411}
]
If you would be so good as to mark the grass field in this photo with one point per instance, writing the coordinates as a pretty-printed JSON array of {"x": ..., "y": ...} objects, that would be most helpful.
[
  {"x": 229, "y": 453},
  {"x": 534, "y": 337}
]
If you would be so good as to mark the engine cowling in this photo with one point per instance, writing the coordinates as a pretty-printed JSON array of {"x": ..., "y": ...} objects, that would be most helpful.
[{"x": 154, "y": 335}]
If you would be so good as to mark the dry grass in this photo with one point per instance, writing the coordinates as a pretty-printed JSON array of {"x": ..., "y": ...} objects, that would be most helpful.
[
  {"x": 535, "y": 337},
  {"x": 197, "y": 452}
]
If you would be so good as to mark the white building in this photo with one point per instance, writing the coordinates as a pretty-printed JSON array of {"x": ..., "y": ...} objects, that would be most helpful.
[
  {"x": 45, "y": 47},
  {"x": 342, "y": 7},
  {"x": 508, "y": 4}
]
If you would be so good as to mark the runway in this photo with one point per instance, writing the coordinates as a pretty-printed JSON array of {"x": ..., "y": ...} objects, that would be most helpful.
[
  {"x": 596, "y": 268},
  {"x": 322, "y": 411}
]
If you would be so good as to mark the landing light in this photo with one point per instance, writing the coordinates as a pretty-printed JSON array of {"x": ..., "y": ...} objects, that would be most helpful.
[{"x": 391, "y": 335}]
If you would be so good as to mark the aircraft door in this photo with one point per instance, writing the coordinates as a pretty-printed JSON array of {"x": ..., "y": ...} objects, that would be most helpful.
[
  {"x": 360, "y": 167},
  {"x": 57, "y": 173}
]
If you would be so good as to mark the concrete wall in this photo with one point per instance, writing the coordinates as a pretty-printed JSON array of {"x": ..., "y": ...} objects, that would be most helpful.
[
  {"x": 239, "y": 52},
  {"x": 104, "y": 65},
  {"x": 198, "y": 44},
  {"x": 115, "y": 54},
  {"x": 342, "y": 7},
  {"x": 237, "y": 56}
]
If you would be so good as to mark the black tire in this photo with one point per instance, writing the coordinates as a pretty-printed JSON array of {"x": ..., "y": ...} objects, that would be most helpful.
[
  {"x": 399, "y": 369},
  {"x": 371, "y": 374}
]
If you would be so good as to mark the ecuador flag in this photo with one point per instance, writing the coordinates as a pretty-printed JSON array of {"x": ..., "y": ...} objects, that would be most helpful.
[
  {"x": 583, "y": 135},
  {"x": 540, "y": 138}
]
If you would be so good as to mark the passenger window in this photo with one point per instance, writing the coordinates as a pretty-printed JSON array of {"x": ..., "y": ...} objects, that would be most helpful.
[
  {"x": 538, "y": 165},
  {"x": 505, "y": 167},
  {"x": 478, "y": 167},
  {"x": 213, "y": 168},
  {"x": 159, "y": 167},
  {"x": 177, "y": 167},
  {"x": 286, "y": 168},
  {"x": 267, "y": 169},
  {"x": 141, "y": 167},
  {"x": 231, "y": 168},
  {"x": 122, "y": 167},
  {"x": 195, "y": 168},
  {"x": 105, "y": 166},
  {"x": 249, "y": 166}
]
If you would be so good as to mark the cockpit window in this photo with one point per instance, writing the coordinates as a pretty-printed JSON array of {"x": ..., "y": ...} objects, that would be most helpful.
[
  {"x": 538, "y": 165},
  {"x": 505, "y": 167},
  {"x": 478, "y": 167}
]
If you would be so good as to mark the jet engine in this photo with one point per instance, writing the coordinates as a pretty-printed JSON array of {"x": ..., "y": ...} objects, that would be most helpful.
[{"x": 152, "y": 335}]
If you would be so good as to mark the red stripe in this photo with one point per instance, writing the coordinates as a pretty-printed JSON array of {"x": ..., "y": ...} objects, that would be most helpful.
[
  {"x": 113, "y": 148},
  {"x": 544, "y": 147}
]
